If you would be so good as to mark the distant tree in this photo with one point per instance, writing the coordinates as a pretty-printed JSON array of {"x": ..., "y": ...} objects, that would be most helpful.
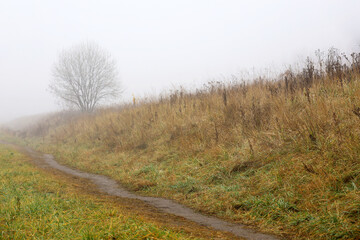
[{"x": 84, "y": 76}]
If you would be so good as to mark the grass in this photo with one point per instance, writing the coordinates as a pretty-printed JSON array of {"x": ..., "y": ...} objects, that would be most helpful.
[
  {"x": 34, "y": 205},
  {"x": 281, "y": 154}
]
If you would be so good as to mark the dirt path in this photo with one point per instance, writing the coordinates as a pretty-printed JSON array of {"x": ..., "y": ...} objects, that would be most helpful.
[{"x": 111, "y": 187}]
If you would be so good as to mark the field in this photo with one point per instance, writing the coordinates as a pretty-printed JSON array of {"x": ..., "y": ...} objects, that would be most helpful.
[
  {"x": 279, "y": 154},
  {"x": 39, "y": 205}
]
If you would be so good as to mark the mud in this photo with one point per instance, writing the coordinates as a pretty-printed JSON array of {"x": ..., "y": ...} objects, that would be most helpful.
[{"x": 111, "y": 187}]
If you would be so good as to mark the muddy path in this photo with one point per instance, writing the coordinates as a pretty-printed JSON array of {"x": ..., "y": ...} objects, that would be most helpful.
[{"x": 111, "y": 187}]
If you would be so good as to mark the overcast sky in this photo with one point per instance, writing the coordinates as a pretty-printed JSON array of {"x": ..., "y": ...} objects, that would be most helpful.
[{"x": 161, "y": 43}]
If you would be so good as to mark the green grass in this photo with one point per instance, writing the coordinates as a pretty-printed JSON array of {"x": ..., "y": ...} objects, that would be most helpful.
[
  {"x": 300, "y": 203},
  {"x": 281, "y": 154},
  {"x": 33, "y": 205}
]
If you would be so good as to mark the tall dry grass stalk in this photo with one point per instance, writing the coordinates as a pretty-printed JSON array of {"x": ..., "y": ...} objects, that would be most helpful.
[{"x": 316, "y": 107}]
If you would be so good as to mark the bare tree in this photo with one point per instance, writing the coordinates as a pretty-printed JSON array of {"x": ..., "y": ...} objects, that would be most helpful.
[{"x": 84, "y": 76}]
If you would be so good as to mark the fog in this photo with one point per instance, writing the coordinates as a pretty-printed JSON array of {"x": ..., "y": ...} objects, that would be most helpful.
[{"x": 159, "y": 44}]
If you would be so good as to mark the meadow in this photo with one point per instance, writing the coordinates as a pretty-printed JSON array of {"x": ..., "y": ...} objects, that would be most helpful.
[
  {"x": 281, "y": 153},
  {"x": 35, "y": 204}
]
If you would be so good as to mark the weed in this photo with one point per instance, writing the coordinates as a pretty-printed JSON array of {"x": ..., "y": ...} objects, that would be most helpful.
[{"x": 278, "y": 152}]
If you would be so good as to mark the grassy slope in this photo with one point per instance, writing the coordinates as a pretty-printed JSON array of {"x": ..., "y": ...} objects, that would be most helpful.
[
  {"x": 282, "y": 155},
  {"x": 35, "y": 206}
]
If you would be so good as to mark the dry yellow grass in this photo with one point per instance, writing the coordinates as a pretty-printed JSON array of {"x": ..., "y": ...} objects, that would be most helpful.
[{"x": 283, "y": 154}]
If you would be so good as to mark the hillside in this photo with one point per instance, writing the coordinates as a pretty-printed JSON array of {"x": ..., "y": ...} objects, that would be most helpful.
[
  {"x": 281, "y": 154},
  {"x": 23, "y": 123}
]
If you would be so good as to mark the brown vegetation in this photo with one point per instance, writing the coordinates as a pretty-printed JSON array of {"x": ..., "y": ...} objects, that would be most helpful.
[{"x": 282, "y": 153}]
